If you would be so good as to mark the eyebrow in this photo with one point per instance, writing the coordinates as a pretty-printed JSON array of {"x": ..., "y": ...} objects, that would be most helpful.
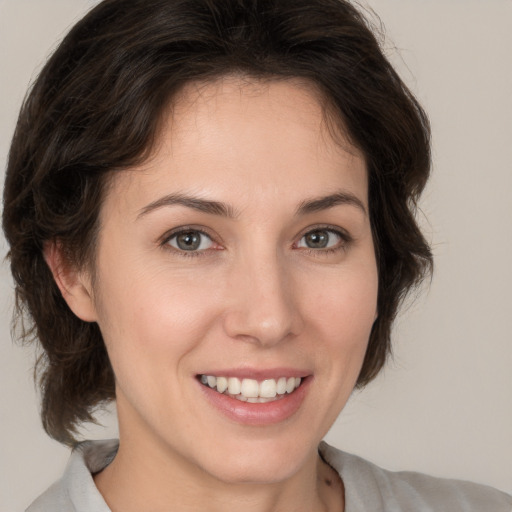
[
  {"x": 224, "y": 210},
  {"x": 195, "y": 203},
  {"x": 323, "y": 203}
]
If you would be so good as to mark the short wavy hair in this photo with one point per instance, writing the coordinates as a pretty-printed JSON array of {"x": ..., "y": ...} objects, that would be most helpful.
[{"x": 96, "y": 108}]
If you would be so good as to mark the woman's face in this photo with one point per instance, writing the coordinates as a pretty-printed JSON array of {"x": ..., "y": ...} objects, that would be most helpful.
[{"x": 240, "y": 255}]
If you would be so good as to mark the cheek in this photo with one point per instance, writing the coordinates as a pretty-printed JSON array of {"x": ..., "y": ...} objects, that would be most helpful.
[
  {"x": 341, "y": 316},
  {"x": 347, "y": 302},
  {"x": 150, "y": 329},
  {"x": 344, "y": 312},
  {"x": 152, "y": 318}
]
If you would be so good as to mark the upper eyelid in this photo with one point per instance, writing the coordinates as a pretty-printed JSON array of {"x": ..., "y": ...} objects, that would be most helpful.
[
  {"x": 335, "y": 229},
  {"x": 342, "y": 245},
  {"x": 164, "y": 242},
  {"x": 183, "y": 229}
]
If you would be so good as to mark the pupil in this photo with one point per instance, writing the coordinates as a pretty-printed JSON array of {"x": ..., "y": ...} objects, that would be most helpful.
[
  {"x": 189, "y": 241},
  {"x": 317, "y": 239}
]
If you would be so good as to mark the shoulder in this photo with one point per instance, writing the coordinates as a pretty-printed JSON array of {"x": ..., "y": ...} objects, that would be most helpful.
[
  {"x": 369, "y": 487},
  {"x": 54, "y": 498},
  {"x": 75, "y": 491}
]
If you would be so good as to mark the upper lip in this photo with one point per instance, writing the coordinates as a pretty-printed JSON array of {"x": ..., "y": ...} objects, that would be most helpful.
[{"x": 258, "y": 373}]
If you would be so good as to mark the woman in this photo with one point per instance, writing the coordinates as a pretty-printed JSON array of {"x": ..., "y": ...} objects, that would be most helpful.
[{"x": 210, "y": 212}]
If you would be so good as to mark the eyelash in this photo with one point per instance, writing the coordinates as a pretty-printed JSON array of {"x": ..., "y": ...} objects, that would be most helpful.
[
  {"x": 182, "y": 230},
  {"x": 345, "y": 240}
]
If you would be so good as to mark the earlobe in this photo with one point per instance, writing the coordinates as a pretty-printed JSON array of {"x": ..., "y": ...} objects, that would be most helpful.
[{"x": 74, "y": 285}]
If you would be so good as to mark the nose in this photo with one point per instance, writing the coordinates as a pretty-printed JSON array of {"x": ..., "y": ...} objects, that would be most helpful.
[{"x": 262, "y": 307}]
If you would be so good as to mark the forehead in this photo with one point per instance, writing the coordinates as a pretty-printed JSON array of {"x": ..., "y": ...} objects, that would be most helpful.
[
  {"x": 236, "y": 136},
  {"x": 238, "y": 102}
]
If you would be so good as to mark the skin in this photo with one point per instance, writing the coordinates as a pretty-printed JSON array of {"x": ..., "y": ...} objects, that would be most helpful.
[{"x": 254, "y": 296}]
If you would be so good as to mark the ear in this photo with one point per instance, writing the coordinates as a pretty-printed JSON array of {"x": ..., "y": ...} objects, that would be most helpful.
[{"x": 74, "y": 285}]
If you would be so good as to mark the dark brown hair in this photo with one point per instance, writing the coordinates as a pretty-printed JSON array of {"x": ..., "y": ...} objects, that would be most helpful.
[{"x": 95, "y": 109}]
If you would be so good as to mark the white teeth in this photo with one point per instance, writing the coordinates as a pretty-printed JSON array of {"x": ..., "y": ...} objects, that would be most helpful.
[
  {"x": 222, "y": 384},
  {"x": 250, "y": 390},
  {"x": 268, "y": 388},
  {"x": 257, "y": 400},
  {"x": 290, "y": 384},
  {"x": 234, "y": 386},
  {"x": 281, "y": 386},
  {"x": 263, "y": 400}
]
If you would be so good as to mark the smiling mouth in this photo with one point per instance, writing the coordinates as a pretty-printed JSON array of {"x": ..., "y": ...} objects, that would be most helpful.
[{"x": 251, "y": 390}]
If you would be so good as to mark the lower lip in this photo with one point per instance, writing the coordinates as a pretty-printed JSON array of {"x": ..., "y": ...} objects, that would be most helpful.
[{"x": 258, "y": 414}]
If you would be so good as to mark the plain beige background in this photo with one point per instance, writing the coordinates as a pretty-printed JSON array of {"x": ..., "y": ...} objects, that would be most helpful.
[{"x": 444, "y": 405}]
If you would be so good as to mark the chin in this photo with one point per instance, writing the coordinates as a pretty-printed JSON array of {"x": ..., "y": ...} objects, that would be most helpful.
[{"x": 261, "y": 462}]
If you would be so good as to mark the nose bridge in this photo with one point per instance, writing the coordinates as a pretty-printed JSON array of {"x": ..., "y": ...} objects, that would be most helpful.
[{"x": 262, "y": 308}]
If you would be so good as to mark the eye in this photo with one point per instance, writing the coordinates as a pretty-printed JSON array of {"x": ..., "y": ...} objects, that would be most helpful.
[
  {"x": 321, "y": 239},
  {"x": 190, "y": 240}
]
